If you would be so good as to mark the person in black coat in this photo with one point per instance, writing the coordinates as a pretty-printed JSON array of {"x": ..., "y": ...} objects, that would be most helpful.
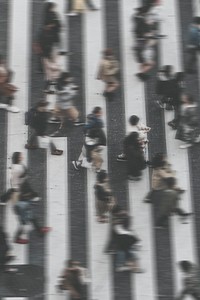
[
  {"x": 178, "y": 89},
  {"x": 52, "y": 17},
  {"x": 38, "y": 128},
  {"x": 135, "y": 156},
  {"x": 125, "y": 240}
]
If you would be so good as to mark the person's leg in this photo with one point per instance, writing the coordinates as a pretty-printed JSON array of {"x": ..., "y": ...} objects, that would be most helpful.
[
  {"x": 54, "y": 150},
  {"x": 192, "y": 59},
  {"x": 162, "y": 220},
  {"x": 120, "y": 259},
  {"x": 32, "y": 141},
  {"x": 96, "y": 159},
  {"x": 39, "y": 229}
]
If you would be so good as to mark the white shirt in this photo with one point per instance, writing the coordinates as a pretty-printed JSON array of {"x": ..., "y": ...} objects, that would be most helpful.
[{"x": 17, "y": 171}]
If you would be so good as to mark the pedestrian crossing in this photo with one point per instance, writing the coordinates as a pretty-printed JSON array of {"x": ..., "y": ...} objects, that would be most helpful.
[
  {"x": 55, "y": 183},
  {"x": 99, "y": 263},
  {"x": 135, "y": 104}
]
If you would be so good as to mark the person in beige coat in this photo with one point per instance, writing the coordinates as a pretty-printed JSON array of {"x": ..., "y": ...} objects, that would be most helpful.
[
  {"x": 161, "y": 171},
  {"x": 108, "y": 70}
]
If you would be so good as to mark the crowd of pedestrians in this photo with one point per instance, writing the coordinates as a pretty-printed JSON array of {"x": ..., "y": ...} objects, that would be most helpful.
[{"x": 165, "y": 192}]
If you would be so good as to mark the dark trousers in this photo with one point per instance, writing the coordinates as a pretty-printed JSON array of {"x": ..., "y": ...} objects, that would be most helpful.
[
  {"x": 162, "y": 220},
  {"x": 192, "y": 59}
]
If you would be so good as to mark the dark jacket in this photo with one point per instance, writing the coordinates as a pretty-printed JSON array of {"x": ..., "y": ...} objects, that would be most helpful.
[{"x": 93, "y": 122}]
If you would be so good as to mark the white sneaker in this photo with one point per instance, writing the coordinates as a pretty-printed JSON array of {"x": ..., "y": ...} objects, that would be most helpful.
[
  {"x": 72, "y": 14},
  {"x": 184, "y": 146},
  {"x": 197, "y": 139},
  {"x": 3, "y": 106},
  {"x": 36, "y": 199},
  {"x": 122, "y": 269},
  {"x": 13, "y": 109}
]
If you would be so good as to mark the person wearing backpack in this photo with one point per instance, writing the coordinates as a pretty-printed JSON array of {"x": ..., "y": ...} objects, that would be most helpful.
[{"x": 37, "y": 119}]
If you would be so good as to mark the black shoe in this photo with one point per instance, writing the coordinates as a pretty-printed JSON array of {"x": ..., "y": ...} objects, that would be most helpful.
[
  {"x": 62, "y": 52},
  {"x": 121, "y": 157},
  {"x": 142, "y": 76},
  {"x": 172, "y": 125}
]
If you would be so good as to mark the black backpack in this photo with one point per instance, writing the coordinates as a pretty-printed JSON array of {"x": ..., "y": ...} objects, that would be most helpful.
[{"x": 30, "y": 117}]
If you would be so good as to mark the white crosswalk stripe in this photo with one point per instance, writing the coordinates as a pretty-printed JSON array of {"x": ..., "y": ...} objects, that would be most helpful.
[
  {"x": 141, "y": 213},
  {"x": 99, "y": 263}
]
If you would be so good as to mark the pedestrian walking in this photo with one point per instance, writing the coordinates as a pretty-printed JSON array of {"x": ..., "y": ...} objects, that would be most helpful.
[
  {"x": 37, "y": 119},
  {"x": 5, "y": 253},
  {"x": 135, "y": 156},
  {"x": 107, "y": 72},
  {"x": 193, "y": 45},
  {"x": 162, "y": 170},
  {"x": 188, "y": 126},
  {"x": 169, "y": 204},
  {"x": 7, "y": 90},
  {"x": 103, "y": 197},
  {"x": 126, "y": 258},
  {"x": 191, "y": 280},
  {"x": 136, "y": 126},
  {"x": 24, "y": 211}
]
